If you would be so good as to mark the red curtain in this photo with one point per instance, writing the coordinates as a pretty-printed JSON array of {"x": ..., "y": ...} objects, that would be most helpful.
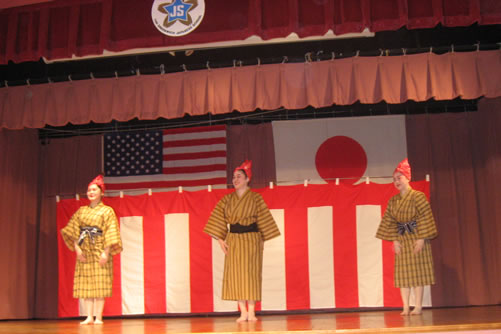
[
  {"x": 19, "y": 184},
  {"x": 63, "y": 28},
  {"x": 294, "y": 86},
  {"x": 66, "y": 167},
  {"x": 255, "y": 143},
  {"x": 462, "y": 153}
]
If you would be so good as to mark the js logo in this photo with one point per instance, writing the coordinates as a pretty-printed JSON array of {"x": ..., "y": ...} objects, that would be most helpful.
[{"x": 177, "y": 17}]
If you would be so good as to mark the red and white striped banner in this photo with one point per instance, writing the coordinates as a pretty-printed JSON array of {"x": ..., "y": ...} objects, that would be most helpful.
[{"x": 326, "y": 257}]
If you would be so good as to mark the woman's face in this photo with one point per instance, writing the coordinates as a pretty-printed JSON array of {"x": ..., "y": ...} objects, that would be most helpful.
[
  {"x": 240, "y": 180},
  {"x": 400, "y": 181},
  {"x": 94, "y": 193}
]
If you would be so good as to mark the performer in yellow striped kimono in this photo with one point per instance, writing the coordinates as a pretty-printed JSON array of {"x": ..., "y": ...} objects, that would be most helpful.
[
  {"x": 408, "y": 222},
  {"x": 250, "y": 224},
  {"x": 93, "y": 234}
]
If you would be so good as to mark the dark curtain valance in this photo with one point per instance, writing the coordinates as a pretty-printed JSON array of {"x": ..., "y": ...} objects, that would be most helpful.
[{"x": 62, "y": 28}]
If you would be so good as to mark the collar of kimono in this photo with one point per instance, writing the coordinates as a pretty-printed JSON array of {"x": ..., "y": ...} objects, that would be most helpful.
[
  {"x": 409, "y": 190},
  {"x": 98, "y": 204}
]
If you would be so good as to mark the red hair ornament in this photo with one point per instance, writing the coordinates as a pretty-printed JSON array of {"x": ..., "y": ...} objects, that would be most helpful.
[
  {"x": 404, "y": 168},
  {"x": 98, "y": 181},
  {"x": 246, "y": 166}
]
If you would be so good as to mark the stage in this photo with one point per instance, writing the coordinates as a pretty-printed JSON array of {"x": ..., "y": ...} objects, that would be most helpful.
[{"x": 486, "y": 319}]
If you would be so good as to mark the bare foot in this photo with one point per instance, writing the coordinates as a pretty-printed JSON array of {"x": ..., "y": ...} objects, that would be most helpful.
[
  {"x": 416, "y": 311},
  {"x": 88, "y": 321},
  {"x": 98, "y": 322},
  {"x": 405, "y": 312},
  {"x": 243, "y": 317},
  {"x": 252, "y": 318}
]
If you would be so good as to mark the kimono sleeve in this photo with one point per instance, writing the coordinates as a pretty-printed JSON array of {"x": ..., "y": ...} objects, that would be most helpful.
[
  {"x": 71, "y": 232},
  {"x": 216, "y": 225},
  {"x": 265, "y": 222},
  {"x": 111, "y": 235},
  {"x": 426, "y": 228},
  {"x": 387, "y": 229}
]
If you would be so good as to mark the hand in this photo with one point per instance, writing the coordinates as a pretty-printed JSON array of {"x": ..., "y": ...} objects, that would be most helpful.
[
  {"x": 80, "y": 255},
  {"x": 397, "y": 247},
  {"x": 418, "y": 245},
  {"x": 224, "y": 246},
  {"x": 103, "y": 259}
]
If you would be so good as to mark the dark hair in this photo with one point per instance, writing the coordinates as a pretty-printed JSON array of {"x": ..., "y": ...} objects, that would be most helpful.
[
  {"x": 97, "y": 185},
  {"x": 243, "y": 171}
]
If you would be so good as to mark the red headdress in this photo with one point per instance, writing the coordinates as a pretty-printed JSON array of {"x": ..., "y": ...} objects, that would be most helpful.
[
  {"x": 246, "y": 166},
  {"x": 404, "y": 168},
  {"x": 98, "y": 181}
]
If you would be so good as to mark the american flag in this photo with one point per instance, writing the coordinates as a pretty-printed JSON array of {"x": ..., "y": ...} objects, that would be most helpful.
[{"x": 192, "y": 158}]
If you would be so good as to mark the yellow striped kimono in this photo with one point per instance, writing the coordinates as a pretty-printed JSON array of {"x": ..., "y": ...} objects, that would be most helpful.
[
  {"x": 92, "y": 280},
  {"x": 411, "y": 269},
  {"x": 244, "y": 261}
]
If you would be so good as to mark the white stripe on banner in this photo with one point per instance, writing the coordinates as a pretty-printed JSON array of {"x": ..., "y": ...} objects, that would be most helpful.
[
  {"x": 427, "y": 296},
  {"x": 217, "y": 280},
  {"x": 194, "y": 135},
  {"x": 321, "y": 257},
  {"x": 369, "y": 257},
  {"x": 132, "y": 266},
  {"x": 177, "y": 262},
  {"x": 194, "y": 149},
  {"x": 274, "y": 294}
]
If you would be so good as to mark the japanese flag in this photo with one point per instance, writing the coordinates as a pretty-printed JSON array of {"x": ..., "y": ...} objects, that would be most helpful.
[{"x": 349, "y": 149}]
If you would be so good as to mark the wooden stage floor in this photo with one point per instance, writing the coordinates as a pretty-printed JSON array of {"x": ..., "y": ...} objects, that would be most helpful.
[{"x": 486, "y": 319}]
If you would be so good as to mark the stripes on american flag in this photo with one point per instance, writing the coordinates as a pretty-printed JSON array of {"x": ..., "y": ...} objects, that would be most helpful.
[
  {"x": 326, "y": 257},
  {"x": 192, "y": 158}
]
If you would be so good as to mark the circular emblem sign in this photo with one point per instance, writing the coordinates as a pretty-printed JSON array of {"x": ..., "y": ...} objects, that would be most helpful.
[{"x": 177, "y": 17}]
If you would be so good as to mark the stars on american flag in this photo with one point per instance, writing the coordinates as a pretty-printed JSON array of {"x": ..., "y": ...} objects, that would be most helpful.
[{"x": 133, "y": 153}]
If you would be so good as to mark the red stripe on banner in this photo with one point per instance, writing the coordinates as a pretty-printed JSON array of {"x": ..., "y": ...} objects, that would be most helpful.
[
  {"x": 67, "y": 305},
  {"x": 201, "y": 258},
  {"x": 194, "y": 169},
  {"x": 296, "y": 259},
  {"x": 391, "y": 295},
  {"x": 194, "y": 142},
  {"x": 194, "y": 156},
  {"x": 154, "y": 262},
  {"x": 345, "y": 252},
  {"x": 195, "y": 129},
  {"x": 165, "y": 184},
  {"x": 113, "y": 305}
]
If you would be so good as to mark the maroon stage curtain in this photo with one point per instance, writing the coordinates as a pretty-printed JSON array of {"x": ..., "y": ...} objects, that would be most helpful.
[
  {"x": 19, "y": 195},
  {"x": 255, "y": 143},
  {"x": 462, "y": 153},
  {"x": 62, "y": 28},
  {"x": 67, "y": 166}
]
